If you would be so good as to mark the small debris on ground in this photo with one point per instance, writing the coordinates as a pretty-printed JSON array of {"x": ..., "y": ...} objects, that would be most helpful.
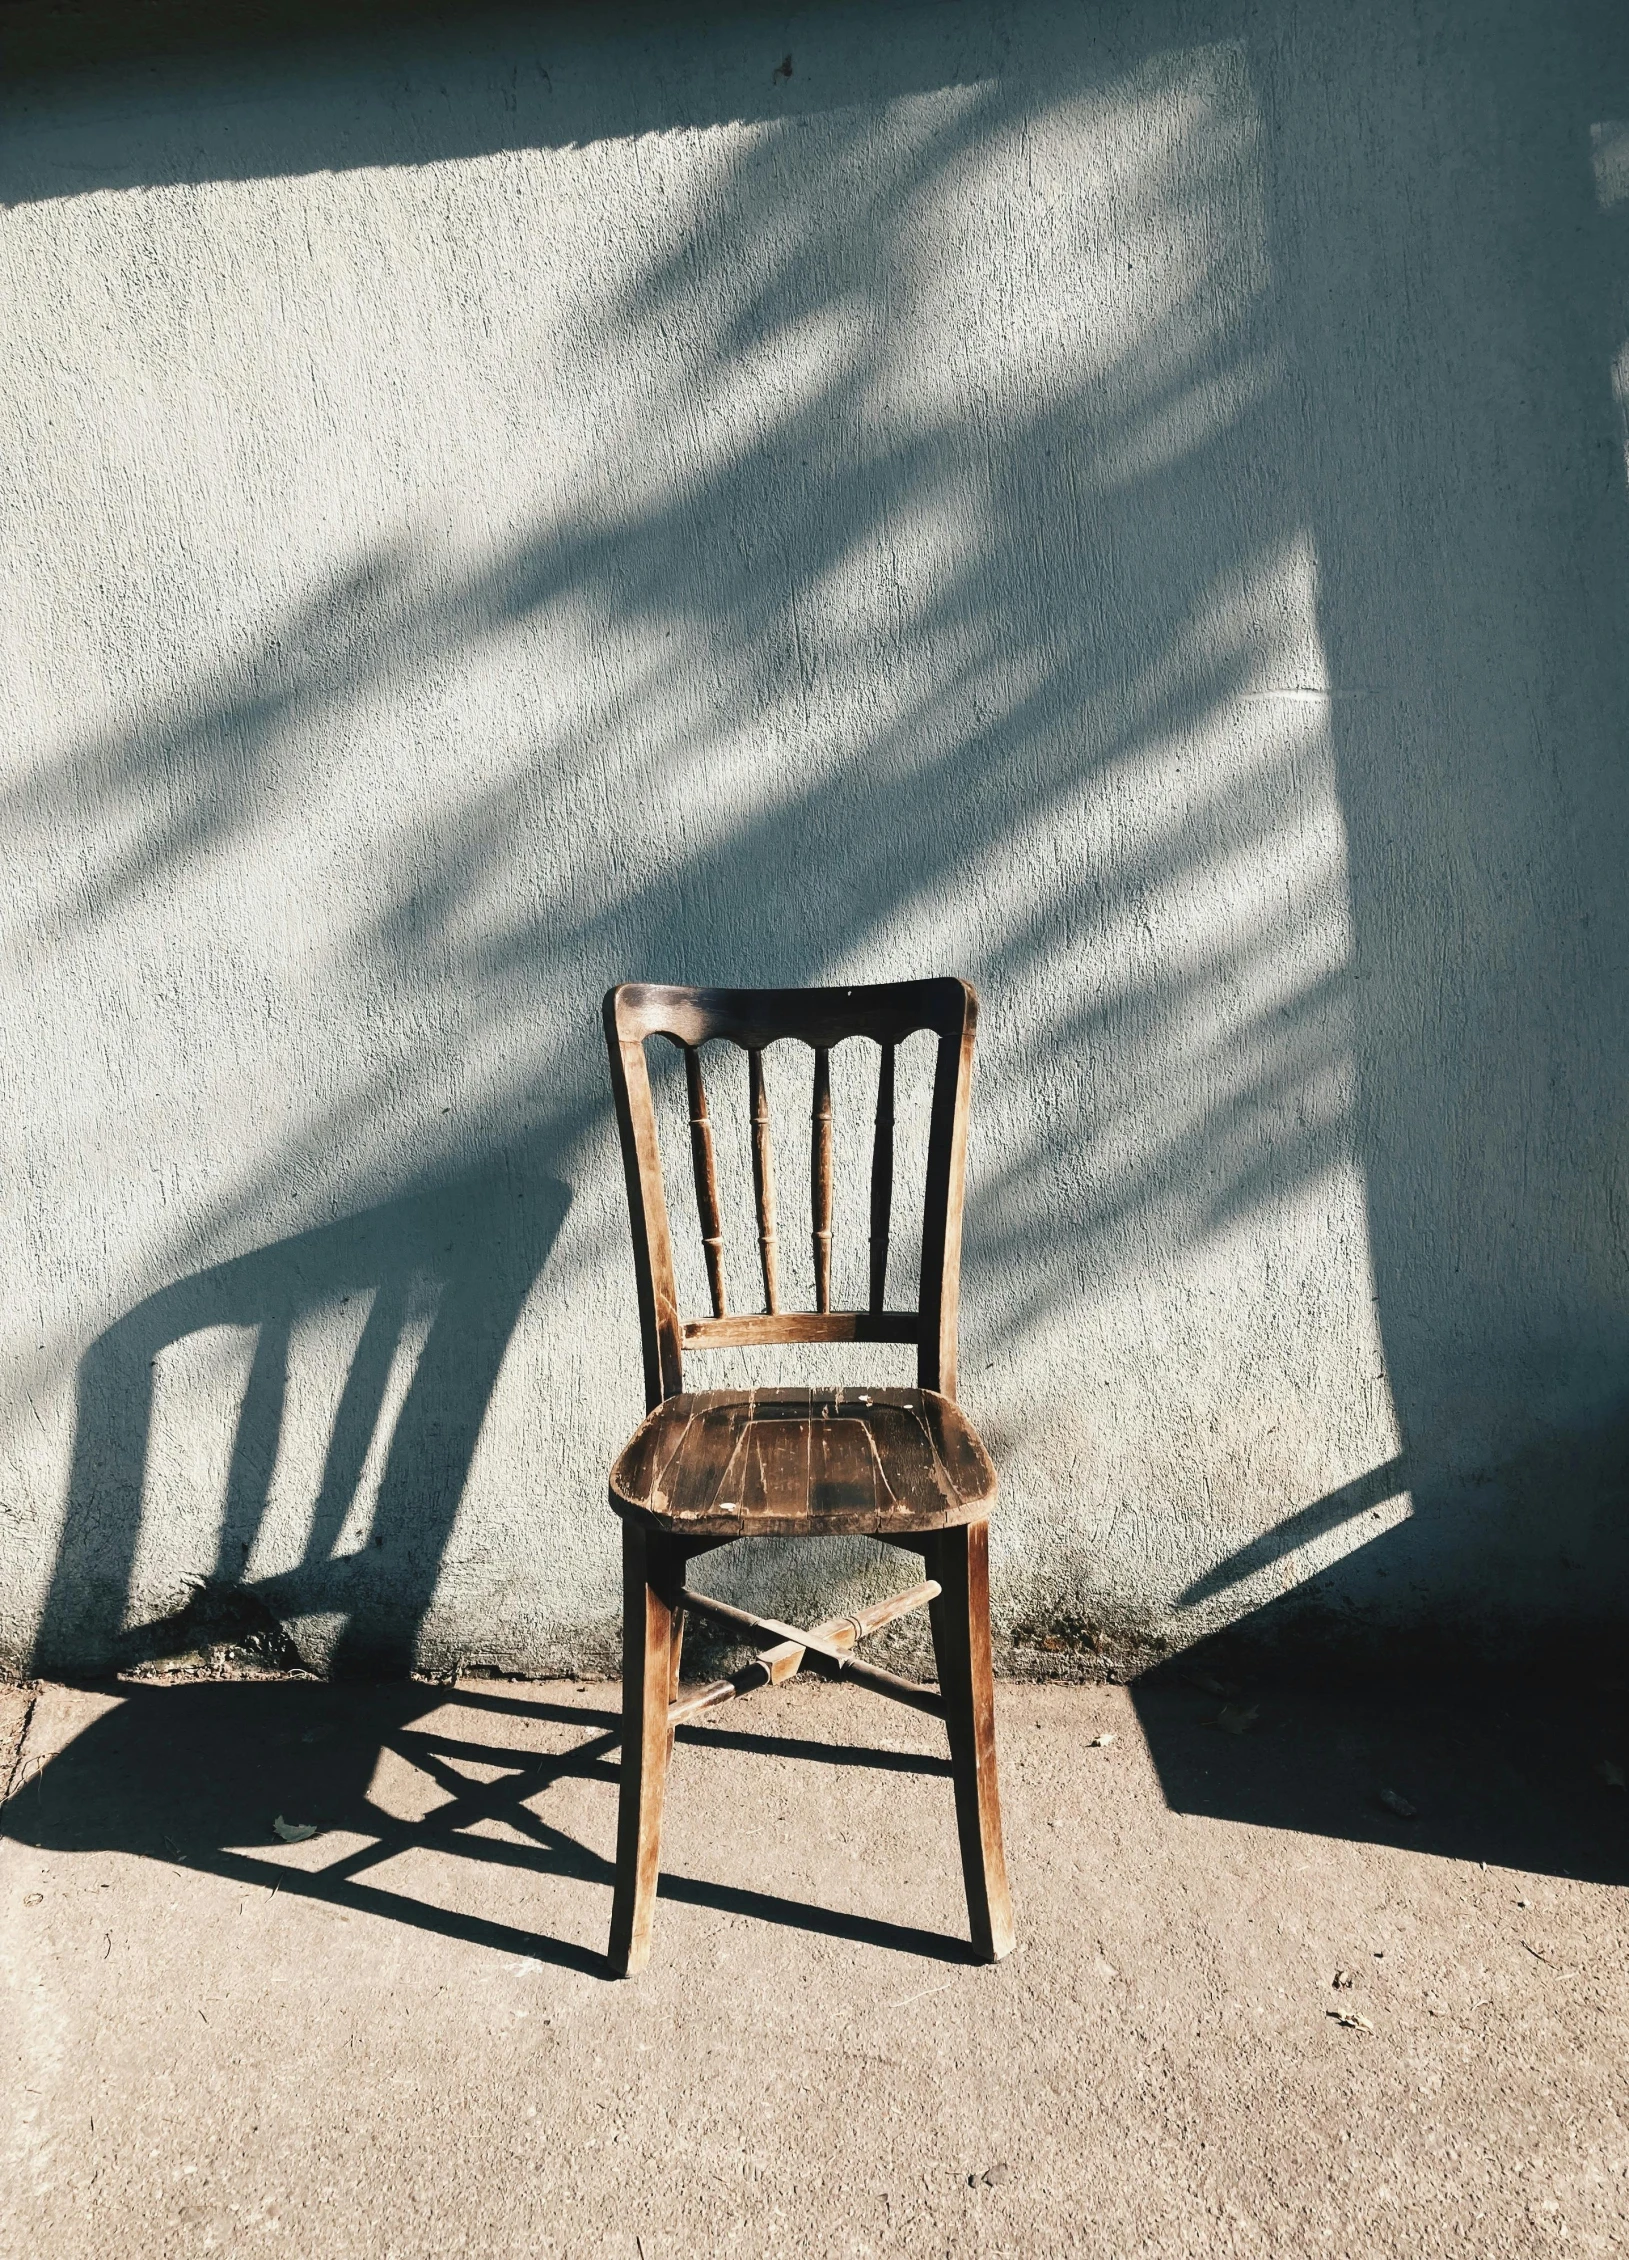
[
  {"x": 32, "y": 1898},
  {"x": 994, "y": 2176},
  {"x": 1395, "y": 1802},
  {"x": 1611, "y": 1773},
  {"x": 1237, "y": 1718},
  {"x": 1351, "y": 2019},
  {"x": 168, "y": 1667},
  {"x": 1208, "y": 1684},
  {"x": 294, "y": 1832},
  {"x": 1100, "y": 1741},
  {"x": 1067, "y": 1636},
  {"x": 1343, "y": 1980}
]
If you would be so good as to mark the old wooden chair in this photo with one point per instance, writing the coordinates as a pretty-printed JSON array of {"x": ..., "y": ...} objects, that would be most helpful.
[{"x": 707, "y": 1467}]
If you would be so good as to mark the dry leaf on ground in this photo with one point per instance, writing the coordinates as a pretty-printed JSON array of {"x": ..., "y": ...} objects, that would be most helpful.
[
  {"x": 1395, "y": 1802},
  {"x": 294, "y": 1832},
  {"x": 1350, "y": 2019}
]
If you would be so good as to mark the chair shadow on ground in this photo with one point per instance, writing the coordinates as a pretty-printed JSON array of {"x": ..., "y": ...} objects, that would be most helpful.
[{"x": 197, "y": 1773}]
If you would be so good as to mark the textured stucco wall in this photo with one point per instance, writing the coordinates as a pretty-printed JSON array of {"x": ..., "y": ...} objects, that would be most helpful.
[{"x": 1127, "y": 504}]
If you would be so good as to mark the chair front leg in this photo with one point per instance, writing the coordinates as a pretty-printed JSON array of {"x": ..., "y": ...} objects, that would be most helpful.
[
  {"x": 647, "y": 1679},
  {"x": 960, "y": 1560}
]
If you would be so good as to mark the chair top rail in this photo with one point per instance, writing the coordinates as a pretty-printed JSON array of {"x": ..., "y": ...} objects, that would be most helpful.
[{"x": 887, "y": 1012}]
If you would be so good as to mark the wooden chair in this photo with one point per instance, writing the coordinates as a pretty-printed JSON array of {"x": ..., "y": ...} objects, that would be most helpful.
[{"x": 707, "y": 1467}]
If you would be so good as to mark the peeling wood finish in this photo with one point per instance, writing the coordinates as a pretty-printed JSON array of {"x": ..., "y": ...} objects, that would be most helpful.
[
  {"x": 960, "y": 1560},
  {"x": 887, "y": 1012},
  {"x": 801, "y": 1326},
  {"x": 648, "y": 1664},
  {"x": 801, "y": 1463},
  {"x": 834, "y": 1655},
  {"x": 709, "y": 1466},
  {"x": 775, "y": 1665}
]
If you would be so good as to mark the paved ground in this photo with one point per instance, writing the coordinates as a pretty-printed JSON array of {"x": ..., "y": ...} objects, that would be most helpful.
[{"x": 395, "y": 2038}]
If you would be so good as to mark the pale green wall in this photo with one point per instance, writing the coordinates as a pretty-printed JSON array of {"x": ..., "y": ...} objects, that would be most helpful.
[{"x": 1126, "y": 504}]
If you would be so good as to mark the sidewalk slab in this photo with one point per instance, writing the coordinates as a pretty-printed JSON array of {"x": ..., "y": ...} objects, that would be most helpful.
[{"x": 394, "y": 2037}]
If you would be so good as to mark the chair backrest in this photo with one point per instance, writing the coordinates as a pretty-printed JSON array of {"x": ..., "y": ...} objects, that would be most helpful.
[{"x": 820, "y": 1018}]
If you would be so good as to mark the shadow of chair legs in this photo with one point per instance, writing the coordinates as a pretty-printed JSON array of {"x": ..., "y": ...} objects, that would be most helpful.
[{"x": 198, "y": 1773}]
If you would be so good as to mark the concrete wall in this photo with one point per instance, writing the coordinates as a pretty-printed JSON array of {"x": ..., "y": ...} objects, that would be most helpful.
[{"x": 1124, "y": 503}]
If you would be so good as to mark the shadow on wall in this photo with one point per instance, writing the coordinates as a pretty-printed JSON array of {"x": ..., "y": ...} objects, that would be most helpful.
[
  {"x": 1401, "y": 377},
  {"x": 441, "y": 1275}
]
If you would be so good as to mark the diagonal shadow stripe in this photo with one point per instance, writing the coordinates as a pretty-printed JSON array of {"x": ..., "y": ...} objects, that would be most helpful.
[
  {"x": 519, "y": 1706},
  {"x": 504, "y": 1800},
  {"x": 825, "y": 1922},
  {"x": 394, "y": 1906},
  {"x": 578, "y": 1862},
  {"x": 1328, "y": 1513},
  {"x": 819, "y": 1753}
]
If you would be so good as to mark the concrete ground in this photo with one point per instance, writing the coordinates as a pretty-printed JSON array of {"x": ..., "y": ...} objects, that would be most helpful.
[{"x": 394, "y": 2037}]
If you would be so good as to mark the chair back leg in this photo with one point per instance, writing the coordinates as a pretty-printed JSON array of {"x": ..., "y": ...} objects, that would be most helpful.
[
  {"x": 960, "y": 1560},
  {"x": 676, "y": 1659},
  {"x": 649, "y": 1664}
]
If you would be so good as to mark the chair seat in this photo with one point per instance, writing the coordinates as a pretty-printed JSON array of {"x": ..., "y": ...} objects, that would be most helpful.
[{"x": 790, "y": 1463}]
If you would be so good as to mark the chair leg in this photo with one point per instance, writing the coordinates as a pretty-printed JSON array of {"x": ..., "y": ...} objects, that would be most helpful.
[
  {"x": 677, "y": 1646},
  {"x": 647, "y": 1676},
  {"x": 960, "y": 1560}
]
